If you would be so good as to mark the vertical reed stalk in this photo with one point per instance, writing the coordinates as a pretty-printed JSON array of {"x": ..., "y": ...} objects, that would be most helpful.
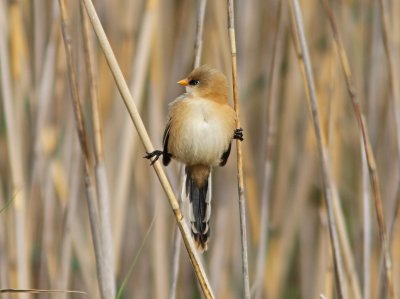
[
  {"x": 14, "y": 156},
  {"x": 366, "y": 146},
  {"x": 392, "y": 71},
  {"x": 305, "y": 63},
  {"x": 3, "y": 241},
  {"x": 70, "y": 212},
  {"x": 100, "y": 170},
  {"x": 106, "y": 283},
  {"x": 160, "y": 258},
  {"x": 395, "y": 93},
  {"x": 175, "y": 264},
  {"x": 271, "y": 124},
  {"x": 198, "y": 46},
  {"x": 367, "y": 233},
  {"x": 242, "y": 200}
]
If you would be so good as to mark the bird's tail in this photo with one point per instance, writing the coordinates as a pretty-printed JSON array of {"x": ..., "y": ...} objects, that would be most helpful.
[{"x": 198, "y": 189}]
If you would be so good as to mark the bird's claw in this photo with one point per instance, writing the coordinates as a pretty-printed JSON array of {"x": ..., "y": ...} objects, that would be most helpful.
[
  {"x": 154, "y": 154},
  {"x": 238, "y": 134}
]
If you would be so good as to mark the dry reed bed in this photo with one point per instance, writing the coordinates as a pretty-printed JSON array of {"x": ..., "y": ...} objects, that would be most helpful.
[{"x": 45, "y": 235}]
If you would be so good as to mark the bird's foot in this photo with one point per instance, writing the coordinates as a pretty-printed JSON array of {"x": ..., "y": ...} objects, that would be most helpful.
[
  {"x": 238, "y": 134},
  {"x": 153, "y": 156}
]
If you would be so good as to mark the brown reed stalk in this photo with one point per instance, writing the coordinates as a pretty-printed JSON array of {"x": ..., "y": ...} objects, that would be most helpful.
[
  {"x": 392, "y": 71},
  {"x": 14, "y": 156},
  {"x": 322, "y": 254},
  {"x": 348, "y": 258},
  {"x": 38, "y": 176},
  {"x": 81, "y": 246},
  {"x": 280, "y": 247},
  {"x": 305, "y": 63},
  {"x": 19, "y": 87},
  {"x": 176, "y": 251},
  {"x": 134, "y": 114},
  {"x": 44, "y": 78},
  {"x": 70, "y": 211},
  {"x": 48, "y": 213},
  {"x": 389, "y": 46},
  {"x": 160, "y": 236},
  {"x": 198, "y": 46},
  {"x": 395, "y": 33},
  {"x": 395, "y": 93},
  {"x": 367, "y": 233},
  {"x": 74, "y": 238},
  {"x": 105, "y": 280},
  {"x": 271, "y": 123},
  {"x": 45, "y": 87},
  {"x": 242, "y": 200},
  {"x": 100, "y": 169},
  {"x": 175, "y": 264},
  {"x": 366, "y": 146},
  {"x": 4, "y": 204},
  {"x": 39, "y": 39}
]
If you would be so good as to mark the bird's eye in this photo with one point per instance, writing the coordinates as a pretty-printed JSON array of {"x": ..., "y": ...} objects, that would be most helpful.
[{"x": 193, "y": 82}]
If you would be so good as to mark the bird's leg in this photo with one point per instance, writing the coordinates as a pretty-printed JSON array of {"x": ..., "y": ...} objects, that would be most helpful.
[
  {"x": 238, "y": 134},
  {"x": 154, "y": 154}
]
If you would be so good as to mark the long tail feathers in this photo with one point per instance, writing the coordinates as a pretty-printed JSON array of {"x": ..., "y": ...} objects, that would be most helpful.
[{"x": 199, "y": 193}]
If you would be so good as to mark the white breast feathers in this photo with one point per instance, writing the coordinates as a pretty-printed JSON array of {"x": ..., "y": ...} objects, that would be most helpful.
[{"x": 203, "y": 132}]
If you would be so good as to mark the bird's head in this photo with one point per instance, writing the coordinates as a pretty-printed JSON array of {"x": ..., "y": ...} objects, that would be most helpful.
[{"x": 206, "y": 82}]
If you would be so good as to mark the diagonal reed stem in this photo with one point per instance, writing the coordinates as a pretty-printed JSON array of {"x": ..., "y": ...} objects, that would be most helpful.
[
  {"x": 242, "y": 200},
  {"x": 137, "y": 121}
]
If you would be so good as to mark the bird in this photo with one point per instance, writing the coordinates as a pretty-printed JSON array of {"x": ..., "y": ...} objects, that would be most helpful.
[{"x": 199, "y": 132}]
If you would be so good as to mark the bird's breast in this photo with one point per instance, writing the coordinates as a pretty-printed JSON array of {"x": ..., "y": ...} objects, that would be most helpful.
[{"x": 201, "y": 131}]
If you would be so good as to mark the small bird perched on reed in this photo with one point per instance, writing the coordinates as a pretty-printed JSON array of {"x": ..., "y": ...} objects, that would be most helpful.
[{"x": 199, "y": 132}]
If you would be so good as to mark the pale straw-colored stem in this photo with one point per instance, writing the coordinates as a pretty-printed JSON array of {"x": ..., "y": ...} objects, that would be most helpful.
[
  {"x": 367, "y": 233},
  {"x": 394, "y": 86},
  {"x": 106, "y": 281},
  {"x": 305, "y": 64},
  {"x": 269, "y": 149},
  {"x": 70, "y": 212},
  {"x": 15, "y": 155},
  {"x": 198, "y": 46},
  {"x": 134, "y": 114},
  {"x": 175, "y": 265},
  {"x": 392, "y": 71},
  {"x": 102, "y": 187},
  {"x": 242, "y": 199}
]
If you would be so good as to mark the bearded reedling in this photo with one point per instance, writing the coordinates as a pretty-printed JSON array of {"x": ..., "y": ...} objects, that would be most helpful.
[{"x": 199, "y": 132}]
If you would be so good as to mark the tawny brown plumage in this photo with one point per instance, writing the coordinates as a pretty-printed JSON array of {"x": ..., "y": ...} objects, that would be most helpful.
[{"x": 199, "y": 132}]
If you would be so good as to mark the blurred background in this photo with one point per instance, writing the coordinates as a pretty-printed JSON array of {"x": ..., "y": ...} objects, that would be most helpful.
[{"x": 45, "y": 235}]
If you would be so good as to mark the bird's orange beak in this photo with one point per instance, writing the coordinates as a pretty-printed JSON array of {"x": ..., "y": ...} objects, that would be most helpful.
[{"x": 184, "y": 82}]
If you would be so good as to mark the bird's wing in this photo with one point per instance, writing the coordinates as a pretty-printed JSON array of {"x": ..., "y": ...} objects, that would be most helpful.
[
  {"x": 166, "y": 156},
  {"x": 225, "y": 155}
]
